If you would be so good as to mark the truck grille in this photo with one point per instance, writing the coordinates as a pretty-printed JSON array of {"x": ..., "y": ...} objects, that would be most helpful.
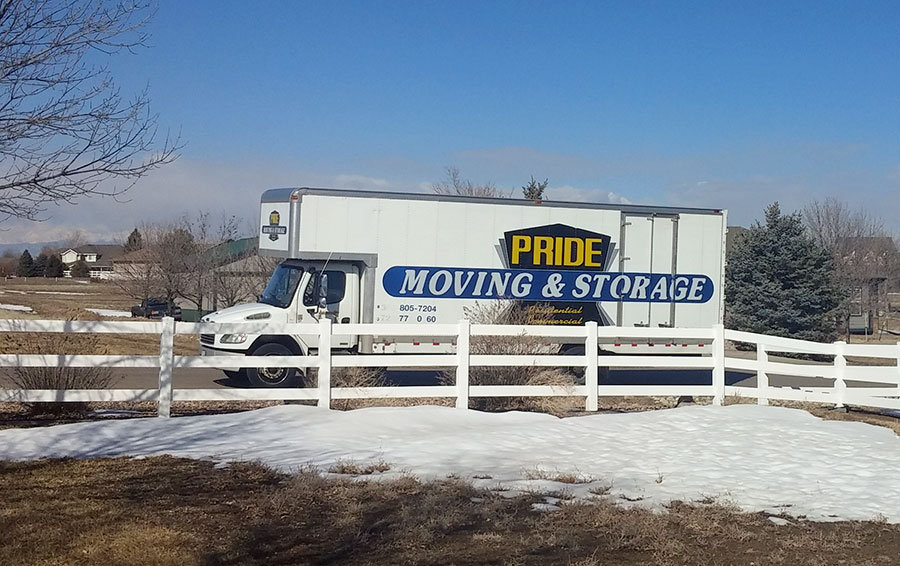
[{"x": 207, "y": 338}]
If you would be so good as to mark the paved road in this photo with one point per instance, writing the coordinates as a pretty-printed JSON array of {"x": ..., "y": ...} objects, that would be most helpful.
[{"x": 147, "y": 378}]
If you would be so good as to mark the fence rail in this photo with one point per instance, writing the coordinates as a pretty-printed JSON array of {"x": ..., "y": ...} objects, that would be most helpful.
[{"x": 832, "y": 378}]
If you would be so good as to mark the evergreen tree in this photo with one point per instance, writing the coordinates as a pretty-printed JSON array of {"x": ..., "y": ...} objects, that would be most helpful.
[
  {"x": 80, "y": 269},
  {"x": 26, "y": 265},
  {"x": 40, "y": 264},
  {"x": 54, "y": 267},
  {"x": 534, "y": 190},
  {"x": 780, "y": 282},
  {"x": 135, "y": 241}
]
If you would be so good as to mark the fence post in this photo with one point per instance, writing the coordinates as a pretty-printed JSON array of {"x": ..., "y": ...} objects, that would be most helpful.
[
  {"x": 762, "y": 376},
  {"x": 324, "y": 379},
  {"x": 898, "y": 368},
  {"x": 166, "y": 365},
  {"x": 591, "y": 372},
  {"x": 462, "y": 365},
  {"x": 718, "y": 374},
  {"x": 840, "y": 373}
]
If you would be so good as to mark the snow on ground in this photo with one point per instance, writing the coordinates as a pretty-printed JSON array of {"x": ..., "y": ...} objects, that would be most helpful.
[
  {"x": 768, "y": 459},
  {"x": 107, "y": 312},
  {"x": 57, "y": 293},
  {"x": 14, "y": 308}
]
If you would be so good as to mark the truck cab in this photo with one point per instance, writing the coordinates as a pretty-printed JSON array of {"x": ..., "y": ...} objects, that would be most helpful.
[{"x": 300, "y": 290}]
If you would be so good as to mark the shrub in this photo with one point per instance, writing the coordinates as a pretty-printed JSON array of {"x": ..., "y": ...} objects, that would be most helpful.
[
  {"x": 352, "y": 377},
  {"x": 514, "y": 313},
  {"x": 80, "y": 269},
  {"x": 56, "y": 378}
]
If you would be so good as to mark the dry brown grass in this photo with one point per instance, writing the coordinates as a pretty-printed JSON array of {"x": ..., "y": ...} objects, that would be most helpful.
[
  {"x": 352, "y": 468},
  {"x": 165, "y": 511},
  {"x": 53, "y": 300},
  {"x": 505, "y": 312},
  {"x": 556, "y": 475}
]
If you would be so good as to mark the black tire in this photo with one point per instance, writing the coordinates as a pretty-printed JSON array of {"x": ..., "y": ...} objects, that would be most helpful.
[
  {"x": 272, "y": 377},
  {"x": 239, "y": 375}
]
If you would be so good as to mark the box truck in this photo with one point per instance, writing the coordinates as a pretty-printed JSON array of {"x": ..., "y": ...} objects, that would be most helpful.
[{"x": 360, "y": 256}]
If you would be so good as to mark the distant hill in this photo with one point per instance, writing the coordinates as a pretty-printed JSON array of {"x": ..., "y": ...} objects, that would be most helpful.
[{"x": 33, "y": 248}]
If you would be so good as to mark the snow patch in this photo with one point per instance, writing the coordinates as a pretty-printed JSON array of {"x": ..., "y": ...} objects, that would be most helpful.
[
  {"x": 107, "y": 312},
  {"x": 57, "y": 293},
  {"x": 769, "y": 459},
  {"x": 14, "y": 308}
]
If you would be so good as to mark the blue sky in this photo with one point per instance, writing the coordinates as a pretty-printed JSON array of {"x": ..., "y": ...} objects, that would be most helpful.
[{"x": 720, "y": 104}]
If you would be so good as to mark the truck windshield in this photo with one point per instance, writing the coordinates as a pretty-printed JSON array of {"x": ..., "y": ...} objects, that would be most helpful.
[{"x": 282, "y": 286}]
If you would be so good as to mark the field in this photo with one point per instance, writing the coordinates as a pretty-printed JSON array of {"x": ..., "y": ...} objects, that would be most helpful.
[{"x": 66, "y": 299}]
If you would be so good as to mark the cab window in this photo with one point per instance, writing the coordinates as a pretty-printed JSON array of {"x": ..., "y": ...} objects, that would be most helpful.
[{"x": 337, "y": 286}]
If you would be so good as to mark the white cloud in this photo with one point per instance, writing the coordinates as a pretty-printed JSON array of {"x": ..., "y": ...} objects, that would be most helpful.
[
  {"x": 185, "y": 187},
  {"x": 575, "y": 194},
  {"x": 359, "y": 182}
]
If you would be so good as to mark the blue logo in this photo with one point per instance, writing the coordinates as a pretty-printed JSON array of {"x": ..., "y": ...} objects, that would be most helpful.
[{"x": 545, "y": 285}]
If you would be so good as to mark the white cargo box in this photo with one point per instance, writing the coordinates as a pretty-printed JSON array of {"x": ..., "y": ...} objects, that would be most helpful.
[{"x": 571, "y": 262}]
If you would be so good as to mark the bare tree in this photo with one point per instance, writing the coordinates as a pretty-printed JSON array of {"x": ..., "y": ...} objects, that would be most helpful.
[
  {"x": 75, "y": 239},
  {"x": 210, "y": 251},
  {"x": 173, "y": 248},
  {"x": 865, "y": 255},
  {"x": 182, "y": 259},
  {"x": 8, "y": 263},
  {"x": 159, "y": 268},
  {"x": 456, "y": 185},
  {"x": 66, "y": 131},
  {"x": 137, "y": 272},
  {"x": 243, "y": 280},
  {"x": 832, "y": 224}
]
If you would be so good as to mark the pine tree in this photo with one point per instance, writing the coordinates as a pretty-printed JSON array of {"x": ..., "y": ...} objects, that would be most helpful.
[
  {"x": 780, "y": 282},
  {"x": 54, "y": 267},
  {"x": 534, "y": 190},
  {"x": 40, "y": 265},
  {"x": 135, "y": 241},
  {"x": 26, "y": 265},
  {"x": 80, "y": 269}
]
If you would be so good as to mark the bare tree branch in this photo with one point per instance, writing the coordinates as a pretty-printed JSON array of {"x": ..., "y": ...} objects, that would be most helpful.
[
  {"x": 456, "y": 185},
  {"x": 865, "y": 256},
  {"x": 66, "y": 132}
]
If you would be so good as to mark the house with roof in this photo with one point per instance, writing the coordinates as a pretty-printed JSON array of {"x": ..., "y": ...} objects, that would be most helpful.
[
  {"x": 98, "y": 257},
  {"x": 871, "y": 265}
]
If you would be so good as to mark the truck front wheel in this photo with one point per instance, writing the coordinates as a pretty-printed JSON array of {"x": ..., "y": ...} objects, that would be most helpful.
[{"x": 272, "y": 377}]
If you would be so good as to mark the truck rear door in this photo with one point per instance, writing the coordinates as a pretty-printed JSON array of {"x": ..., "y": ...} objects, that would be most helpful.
[{"x": 647, "y": 246}]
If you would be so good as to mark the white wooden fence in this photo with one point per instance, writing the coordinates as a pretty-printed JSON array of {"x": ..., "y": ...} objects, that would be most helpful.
[{"x": 838, "y": 383}]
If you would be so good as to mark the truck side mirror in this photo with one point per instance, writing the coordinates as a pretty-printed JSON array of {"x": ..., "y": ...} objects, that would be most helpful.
[{"x": 323, "y": 292}]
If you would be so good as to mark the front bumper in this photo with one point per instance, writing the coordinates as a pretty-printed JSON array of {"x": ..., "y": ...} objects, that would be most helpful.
[{"x": 227, "y": 355}]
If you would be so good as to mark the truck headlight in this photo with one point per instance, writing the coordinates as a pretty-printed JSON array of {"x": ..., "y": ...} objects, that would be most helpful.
[{"x": 233, "y": 338}]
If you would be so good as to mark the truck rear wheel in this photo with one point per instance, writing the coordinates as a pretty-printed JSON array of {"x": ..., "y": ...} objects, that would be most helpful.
[{"x": 272, "y": 377}]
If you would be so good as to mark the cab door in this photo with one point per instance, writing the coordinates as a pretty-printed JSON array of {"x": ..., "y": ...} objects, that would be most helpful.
[{"x": 341, "y": 302}]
